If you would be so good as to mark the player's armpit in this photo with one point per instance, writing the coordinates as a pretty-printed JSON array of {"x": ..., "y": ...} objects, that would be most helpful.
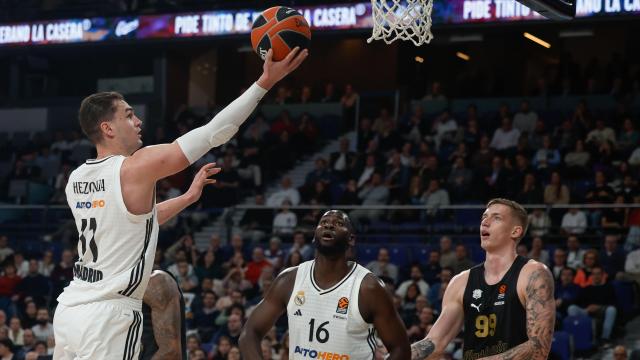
[
  {"x": 384, "y": 317},
  {"x": 163, "y": 297},
  {"x": 266, "y": 314},
  {"x": 541, "y": 315}
]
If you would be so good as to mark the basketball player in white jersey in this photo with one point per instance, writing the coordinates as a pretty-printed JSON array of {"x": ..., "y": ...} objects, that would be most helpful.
[
  {"x": 112, "y": 200},
  {"x": 335, "y": 307},
  {"x": 506, "y": 304}
]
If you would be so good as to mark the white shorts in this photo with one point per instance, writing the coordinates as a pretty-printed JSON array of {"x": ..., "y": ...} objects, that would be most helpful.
[{"x": 109, "y": 329}]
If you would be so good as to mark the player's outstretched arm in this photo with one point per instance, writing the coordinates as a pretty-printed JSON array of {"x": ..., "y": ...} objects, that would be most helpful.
[
  {"x": 170, "y": 208},
  {"x": 152, "y": 163},
  {"x": 541, "y": 314},
  {"x": 376, "y": 306},
  {"x": 266, "y": 314},
  {"x": 448, "y": 324},
  {"x": 163, "y": 297}
]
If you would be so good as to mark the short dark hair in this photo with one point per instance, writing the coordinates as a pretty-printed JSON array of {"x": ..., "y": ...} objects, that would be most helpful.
[
  {"x": 95, "y": 109},
  {"x": 516, "y": 209}
]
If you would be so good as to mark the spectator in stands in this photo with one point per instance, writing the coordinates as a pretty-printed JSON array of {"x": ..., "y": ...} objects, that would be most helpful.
[
  {"x": 634, "y": 158},
  {"x": 416, "y": 128},
  {"x": 415, "y": 278},
  {"x": 35, "y": 285},
  {"x": 575, "y": 254},
  {"x": 205, "y": 315},
  {"x": 222, "y": 348},
  {"x": 329, "y": 93},
  {"x": 5, "y": 250},
  {"x": 300, "y": 245},
  {"x": 319, "y": 173},
  {"x": 348, "y": 102},
  {"x": 350, "y": 194},
  {"x": 187, "y": 280},
  {"x": 409, "y": 300},
  {"x": 564, "y": 136},
  {"x": 460, "y": 180},
  {"x": 584, "y": 275},
  {"x": 525, "y": 120},
  {"x": 425, "y": 321},
  {"x": 559, "y": 263},
  {"x": 483, "y": 157},
  {"x": 286, "y": 192},
  {"x": 285, "y": 221},
  {"x": 9, "y": 282},
  {"x": 613, "y": 219},
  {"x": 600, "y": 134},
  {"x": 62, "y": 274},
  {"x": 374, "y": 193},
  {"x": 305, "y": 95},
  {"x": 283, "y": 95},
  {"x": 16, "y": 333},
  {"x": 232, "y": 330},
  {"x": 388, "y": 137},
  {"x": 506, "y": 137},
  {"x": 566, "y": 292},
  {"x": 383, "y": 267},
  {"x": 44, "y": 329},
  {"x": 435, "y": 93},
  {"x": 257, "y": 222},
  {"x": 208, "y": 267},
  {"x": 538, "y": 252},
  {"x": 444, "y": 129},
  {"x": 556, "y": 193},
  {"x": 496, "y": 178},
  {"x": 343, "y": 161},
  {"x": 29, "y": 340},
  {"x": 22, "y": 265},
  {"x": 620, "y": 353},
  {"x": 447, "y": 255},
  {"x": 547, "y": 157},
  {"x": 574, "y": 221},
  {"x": 462, "y": 262},
  {"x": 612, "y": 258},
  {"x": 186, "y": 245},
  {"x": 256, "y": 265},
  {"x": 597, "y": 300},
  {"x": 436, "y": 291},
  {"x": 530, "y": 193},
  {"x": 6, "y": 349},
  {"x": 628, "y": 138},
  {"x": 539, "y": 223},
  {"x": 432, "y": 269},
  {"x": 46, "y": 265},
  {"x": 436, "y": 197},
  {"x": 274, "y": 253}
]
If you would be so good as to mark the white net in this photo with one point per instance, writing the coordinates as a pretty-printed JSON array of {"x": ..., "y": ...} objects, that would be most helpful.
[{"x": 402, "y": 19}]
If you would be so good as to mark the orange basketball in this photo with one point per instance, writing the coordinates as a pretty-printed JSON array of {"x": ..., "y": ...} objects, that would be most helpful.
[{"x": 279, "y": 28}]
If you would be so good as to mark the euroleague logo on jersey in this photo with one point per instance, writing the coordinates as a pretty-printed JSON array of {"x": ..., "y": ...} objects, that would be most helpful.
[
  {"x": 501, "y": 291},
  {"x": 343, "y": 305},
  {"x": 95, "y": 204}
]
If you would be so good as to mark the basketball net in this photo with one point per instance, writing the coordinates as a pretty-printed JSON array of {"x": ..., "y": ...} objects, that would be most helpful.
[{"x": 402, "y": 19}]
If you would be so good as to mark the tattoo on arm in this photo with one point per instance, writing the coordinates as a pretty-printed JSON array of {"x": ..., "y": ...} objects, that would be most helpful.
[
  {"x": 165, "y": 312},
  {"x": 421, "y": 349},
  {"x": 540, "y": 319}
]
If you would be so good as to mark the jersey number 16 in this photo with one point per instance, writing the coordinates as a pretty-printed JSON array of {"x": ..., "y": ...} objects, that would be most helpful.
[{"x": 322, "y": 334}]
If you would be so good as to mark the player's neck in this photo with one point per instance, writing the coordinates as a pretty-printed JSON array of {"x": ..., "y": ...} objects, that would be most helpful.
[
  {"x": 330, "y": 270},
  {"x": 104, "y": 151},
  {"x": 497, "y": 263}
]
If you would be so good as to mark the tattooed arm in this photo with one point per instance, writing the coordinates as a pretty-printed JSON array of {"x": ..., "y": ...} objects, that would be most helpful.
[
  {"x": 536, "y": 284},
  {"x": 163, "y": 297},
  {"x": 448, "y": 324}
]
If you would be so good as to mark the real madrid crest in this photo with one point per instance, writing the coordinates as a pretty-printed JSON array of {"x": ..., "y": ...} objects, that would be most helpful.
[{"x": 299, "y": 299}]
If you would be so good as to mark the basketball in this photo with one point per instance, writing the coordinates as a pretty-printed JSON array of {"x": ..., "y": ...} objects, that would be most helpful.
[{"x": 279, "y": 28}]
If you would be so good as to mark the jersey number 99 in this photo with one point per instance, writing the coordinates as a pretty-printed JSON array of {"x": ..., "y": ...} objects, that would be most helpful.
[{"x": 486, "y": 325}]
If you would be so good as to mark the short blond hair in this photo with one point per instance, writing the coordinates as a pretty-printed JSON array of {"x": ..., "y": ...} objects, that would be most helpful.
[{"x": 517, "y": 210}]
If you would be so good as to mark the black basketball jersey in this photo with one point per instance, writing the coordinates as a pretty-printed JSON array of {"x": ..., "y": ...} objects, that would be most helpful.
[
  {"x": 148, "y": 340},
  {"x": 494, "y": 318}
]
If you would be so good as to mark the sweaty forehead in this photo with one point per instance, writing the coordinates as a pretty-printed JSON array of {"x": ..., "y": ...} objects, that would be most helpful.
[{"x": 497, "y": 209}]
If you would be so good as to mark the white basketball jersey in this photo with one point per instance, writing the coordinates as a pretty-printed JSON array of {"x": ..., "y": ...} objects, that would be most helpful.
[
  {"x": 116, "y": 248},
  {"x": 326, "y": 324}
]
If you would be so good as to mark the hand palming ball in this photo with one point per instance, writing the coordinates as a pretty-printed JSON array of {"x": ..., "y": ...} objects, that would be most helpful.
[{"x": 279, "y": 28}]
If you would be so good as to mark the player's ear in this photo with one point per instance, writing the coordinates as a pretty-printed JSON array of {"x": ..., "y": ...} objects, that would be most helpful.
[
  {"x": 106, "y": 129},
  {"x": 352, "y": 240},
  {"x": 516, "y": 232}
]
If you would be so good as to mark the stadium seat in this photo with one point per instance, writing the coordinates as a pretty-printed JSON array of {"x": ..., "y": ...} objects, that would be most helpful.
[
  {"x": 581, "y": 329},
  {"x": 561, "y": 345},
  {"x": 625, "y": 297},
  {"x": 399, "y": 255},
  {"x": 366, "y": 253}
]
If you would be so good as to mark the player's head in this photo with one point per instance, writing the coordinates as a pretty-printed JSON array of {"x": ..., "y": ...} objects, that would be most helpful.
[
  {"x": 504, "y": 223},
  {"x": 107, "y": 120},
  {"x": 334, "y": 234}
]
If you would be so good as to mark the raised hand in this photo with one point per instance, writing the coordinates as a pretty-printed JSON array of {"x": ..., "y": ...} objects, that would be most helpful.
[
  {"x": 274, "y": 71},
  {"x": 201, "y": 179}
]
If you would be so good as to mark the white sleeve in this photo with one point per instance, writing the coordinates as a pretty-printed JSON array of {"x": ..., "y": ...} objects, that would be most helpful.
[{"x": 222, "y": 127}]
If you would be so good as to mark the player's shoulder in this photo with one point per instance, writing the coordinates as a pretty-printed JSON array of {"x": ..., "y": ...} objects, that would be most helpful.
[{"x": 534, "y": 267}]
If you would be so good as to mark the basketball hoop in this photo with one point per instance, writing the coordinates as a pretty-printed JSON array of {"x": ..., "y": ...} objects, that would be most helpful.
[{"x": 402, "y": 19}]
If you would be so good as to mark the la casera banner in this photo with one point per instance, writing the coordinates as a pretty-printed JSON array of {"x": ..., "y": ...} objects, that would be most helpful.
[{"x": 219, "y": 23}]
